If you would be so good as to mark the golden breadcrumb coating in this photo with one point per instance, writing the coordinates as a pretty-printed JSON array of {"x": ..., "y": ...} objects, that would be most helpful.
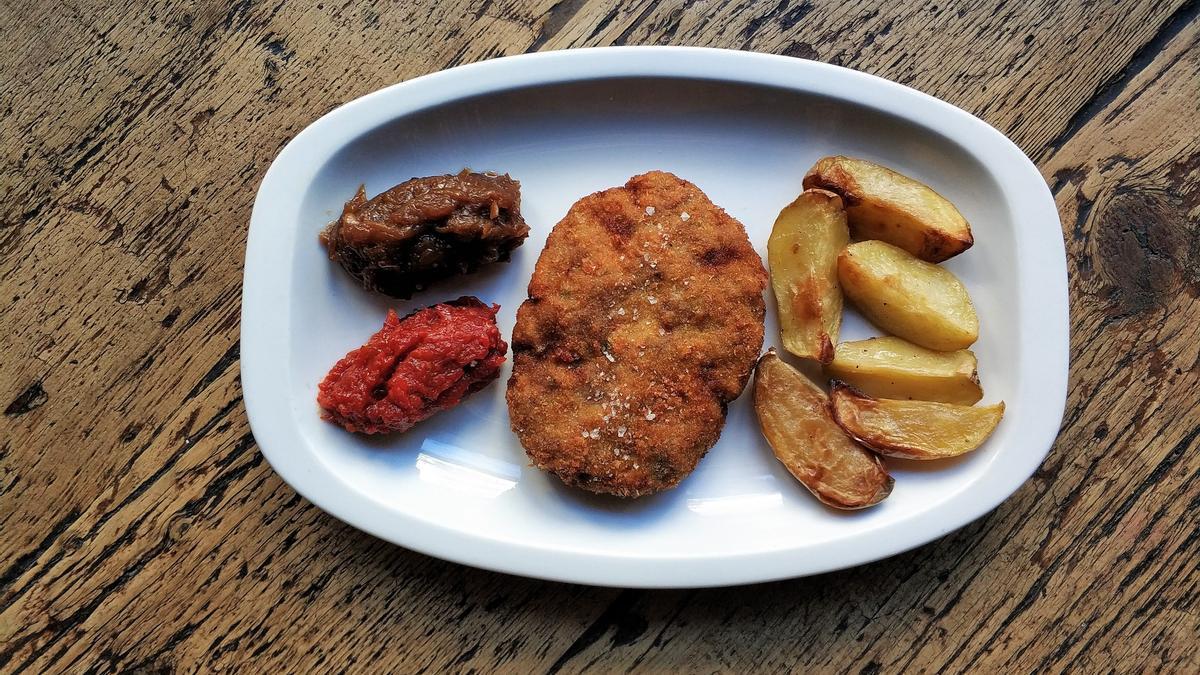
[{"x": 644, "y": 319}]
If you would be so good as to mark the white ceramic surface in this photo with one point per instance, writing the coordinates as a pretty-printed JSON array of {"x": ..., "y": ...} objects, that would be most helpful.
[{"x": 744, "y": 127}]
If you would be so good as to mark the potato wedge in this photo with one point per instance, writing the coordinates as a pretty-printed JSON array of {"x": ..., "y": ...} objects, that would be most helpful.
[
  {"x": 795, "y": 418},
  {"x": 805, "y": 242},
  {"x": 888, "y": 206},
  {"x": 916, "y": 300},
  {"x": 888, "y": 367},
  {"x": 913, "y": 429}
]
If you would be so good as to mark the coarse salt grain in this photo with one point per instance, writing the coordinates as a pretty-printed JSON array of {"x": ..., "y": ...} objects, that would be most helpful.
[
  {"x": 684, "y": 216},
  {"x": 595, "y": 433},
  {"x": 651, "y": 299},
  {"x": 649, "y": 210},
  {"x": 621, "y": 432},
  {"x": 650, "y": 414},
  {"x": 621, "y": 311}
]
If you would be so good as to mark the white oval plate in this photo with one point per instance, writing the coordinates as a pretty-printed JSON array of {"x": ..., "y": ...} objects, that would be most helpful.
[{"x": 744, "y": 127}]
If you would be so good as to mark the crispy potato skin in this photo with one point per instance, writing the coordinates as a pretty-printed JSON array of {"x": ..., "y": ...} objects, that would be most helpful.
[
  {"x": 889, "y": 367},
  {"x": 913, "y": 429},
  {"x": 889, "y": 206},
  {"x": 642, "y": 323},
  {"x": 908, "y": 297},
  {"x": 802, "y": 252},
  {"x": 796, "y": 420}
]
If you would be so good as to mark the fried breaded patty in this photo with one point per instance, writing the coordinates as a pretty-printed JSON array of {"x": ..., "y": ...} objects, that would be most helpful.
[{"x": 644, "y": 319}]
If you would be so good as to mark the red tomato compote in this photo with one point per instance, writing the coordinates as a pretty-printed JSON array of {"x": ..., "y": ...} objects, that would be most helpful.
[{"x": 414, "y": 367}]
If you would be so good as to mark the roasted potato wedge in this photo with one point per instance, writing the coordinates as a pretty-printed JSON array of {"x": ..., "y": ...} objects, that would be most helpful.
[
  {"x": 888, "y": 367},
  {"x": 802, "y": 251},
  {"x": 916, "y": 300},
  {"x": 885, "y": 205},
  {"x": 913, "y": 429},
  {"x": 795, "y": 417}
]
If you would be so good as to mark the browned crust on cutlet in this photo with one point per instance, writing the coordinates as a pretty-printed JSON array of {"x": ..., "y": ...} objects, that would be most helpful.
[{"x": 639, "y": 329}]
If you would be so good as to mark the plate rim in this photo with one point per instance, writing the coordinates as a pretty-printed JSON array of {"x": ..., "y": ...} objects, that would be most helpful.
[{"x": 1043, "y": 303}]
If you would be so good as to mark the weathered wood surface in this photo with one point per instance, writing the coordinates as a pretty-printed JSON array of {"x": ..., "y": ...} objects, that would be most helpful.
[{"x": 140, "y": 527}]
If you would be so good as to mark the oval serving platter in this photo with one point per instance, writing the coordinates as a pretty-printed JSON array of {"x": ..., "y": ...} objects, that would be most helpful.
[{"x": 744, "y": 127}]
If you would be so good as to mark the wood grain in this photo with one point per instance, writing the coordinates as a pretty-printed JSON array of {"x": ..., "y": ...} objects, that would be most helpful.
[{"x": 142, "y": 529}]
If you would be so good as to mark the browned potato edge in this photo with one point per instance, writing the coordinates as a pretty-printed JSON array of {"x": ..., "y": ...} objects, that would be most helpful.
[
  {"x": 935, "y": 245},
  {"x": 829, "y": 498},
  {"x": 842, "y": 392}
]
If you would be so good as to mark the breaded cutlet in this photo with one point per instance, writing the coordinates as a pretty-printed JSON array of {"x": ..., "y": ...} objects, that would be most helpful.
[{"x": 644, "y": 319}]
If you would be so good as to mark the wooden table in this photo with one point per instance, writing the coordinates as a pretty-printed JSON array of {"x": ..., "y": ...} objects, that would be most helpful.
[{"x": 140, "y": 527}]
